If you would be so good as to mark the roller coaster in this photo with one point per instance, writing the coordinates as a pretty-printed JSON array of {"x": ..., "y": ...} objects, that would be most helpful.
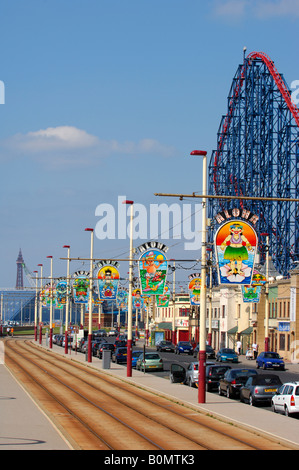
[{"x": 257, "y": 155}]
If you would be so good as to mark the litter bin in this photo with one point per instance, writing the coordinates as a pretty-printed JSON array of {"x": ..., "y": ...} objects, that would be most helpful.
[{"x": 106, "y": 359}]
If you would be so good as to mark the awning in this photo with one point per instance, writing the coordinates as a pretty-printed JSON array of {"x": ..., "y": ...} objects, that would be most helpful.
[
  {"x": 164, "y": 325},
  {"x": 232, "y": 331},
  {"x": 247, "y": 331}
]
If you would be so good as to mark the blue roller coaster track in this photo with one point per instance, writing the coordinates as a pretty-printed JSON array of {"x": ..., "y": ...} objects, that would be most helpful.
[{"x": 258, "y": 155}]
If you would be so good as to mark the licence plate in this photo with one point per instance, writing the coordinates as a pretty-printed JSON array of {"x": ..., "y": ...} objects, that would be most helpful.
[
  {"x": 152, "y": 367},
  {"x": 270, "y": 390}
]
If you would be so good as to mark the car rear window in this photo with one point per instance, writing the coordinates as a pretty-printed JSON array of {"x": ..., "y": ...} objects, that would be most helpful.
[
  {"x": 261, "y": 380},
  {"x": 152, "y": 356}
]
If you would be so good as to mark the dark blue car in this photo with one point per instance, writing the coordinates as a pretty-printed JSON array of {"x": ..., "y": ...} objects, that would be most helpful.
[
  {"x": 119, "y": 355},
  {"x": 183, "y": 347},
  {"x": 268, "y": 360}
]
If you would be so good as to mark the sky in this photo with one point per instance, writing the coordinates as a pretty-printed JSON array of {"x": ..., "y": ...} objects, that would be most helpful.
[{"x": 103, "y": 100}]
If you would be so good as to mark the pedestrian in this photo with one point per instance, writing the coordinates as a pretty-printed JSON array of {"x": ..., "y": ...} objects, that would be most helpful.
[
  {"x": 254, "y": 349},
  {"x": 239, "y": 346}
]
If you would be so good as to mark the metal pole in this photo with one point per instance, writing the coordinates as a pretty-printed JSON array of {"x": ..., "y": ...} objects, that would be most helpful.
[
  {"x": 203, "y": 295},
  {"x": 67, "y": 305},
  {"x": 40, "y": 305},
  {"x": 35, "y": 307},
  {"x": 129, "y": 343},
  {"x": 51, "y": 303},
  {"x": 89, "y": 356}
]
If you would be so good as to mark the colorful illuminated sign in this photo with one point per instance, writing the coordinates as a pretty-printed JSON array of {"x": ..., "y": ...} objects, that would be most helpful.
[{"x": 235, "y": 246}]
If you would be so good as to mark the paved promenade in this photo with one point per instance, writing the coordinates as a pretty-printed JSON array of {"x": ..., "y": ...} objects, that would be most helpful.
[{"x": 25, "y": 426}]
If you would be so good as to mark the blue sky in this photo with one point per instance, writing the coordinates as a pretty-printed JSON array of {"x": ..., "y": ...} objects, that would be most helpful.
[{"x": 105, "y": 98}]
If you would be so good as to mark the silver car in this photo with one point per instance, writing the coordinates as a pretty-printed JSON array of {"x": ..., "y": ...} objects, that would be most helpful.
[{"x": 191, "y": 377}]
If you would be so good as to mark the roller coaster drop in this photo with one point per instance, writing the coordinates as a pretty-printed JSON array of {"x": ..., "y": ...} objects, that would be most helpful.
[{"x": 258, "y": 155}]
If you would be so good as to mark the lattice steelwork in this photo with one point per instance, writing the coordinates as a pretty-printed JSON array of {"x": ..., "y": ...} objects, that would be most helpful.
[{"x": 258, "y": 155}]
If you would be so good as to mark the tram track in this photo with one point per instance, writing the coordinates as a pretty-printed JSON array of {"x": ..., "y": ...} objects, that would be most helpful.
[{"x": 99, "y": 411}]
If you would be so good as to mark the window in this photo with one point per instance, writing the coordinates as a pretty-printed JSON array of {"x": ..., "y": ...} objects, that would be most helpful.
[{"x": 282, "y": 342}]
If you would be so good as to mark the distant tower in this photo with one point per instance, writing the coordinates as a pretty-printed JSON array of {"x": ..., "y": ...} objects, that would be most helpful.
[{"x": 20, "y": 262}]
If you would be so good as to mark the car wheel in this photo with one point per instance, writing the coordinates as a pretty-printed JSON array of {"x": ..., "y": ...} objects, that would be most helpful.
[
  {"x": 264, "y": 366},
  {"x": 219, "y": 390},
  {"x": 273, "y": 408},
  {"x": 286, "y": 411},
  {"x": 190, "y": 383},
  {"x": 171, "y": 379},
  {"x": 228, "y": 394},
  {"x": 251, "y": 400}
]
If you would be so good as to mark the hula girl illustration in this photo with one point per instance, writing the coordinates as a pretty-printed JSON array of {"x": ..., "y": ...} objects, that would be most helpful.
[{"x": 235, "y": 246}]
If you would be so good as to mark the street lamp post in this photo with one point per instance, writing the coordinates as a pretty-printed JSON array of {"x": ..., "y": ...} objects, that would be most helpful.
[
  {"x": 51, "y": 304},
  {"x": 203, "y": 293},
  {"x": 40, "y": 305},
  {"x": 89, "y": 356},
  {"x": 67, "y": 305},
  {"x": 267, "y": 293},
  {"x": 129, "y": 343},
  {"x": 35, "y": 307}
]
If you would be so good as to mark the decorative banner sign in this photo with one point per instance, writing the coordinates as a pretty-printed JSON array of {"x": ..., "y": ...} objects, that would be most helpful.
[
  {"x": 163, "y": 300},
  {"x": 122, "y": 300},
  {"x": 153, "y": 268},
  {"x": 258, "y": 279},
  {"x": 47, "y": 294},
  {"x": 81, "y": 287},
  {"x": 61, "y": 292},
  {"x": 108, "y": 279},
  {"x": 251, "y": 293},
  {"x": 137, "y": 299},
  {"x": 194, "y": 288},
  {"x": 235, "y": 244}
]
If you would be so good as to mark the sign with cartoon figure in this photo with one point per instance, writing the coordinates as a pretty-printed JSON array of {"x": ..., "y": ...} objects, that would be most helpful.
[
  {"x": 252, "y": 293},
  {"x": 194, "y": 288},
  {"x": 235, "y": 243},
  {"x": 153, "y": 271},
  {"x": 81, "y": 287},
  {"x": 108, "y": 280},
  {"x": 163, "y": 300},
  {"x": 61, "y": 292},
  {"x": 137, "y": 299},
  {"x": 122, "y": 300}
]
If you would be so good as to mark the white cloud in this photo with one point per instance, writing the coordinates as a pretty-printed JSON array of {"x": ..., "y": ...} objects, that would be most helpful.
[
  {"x": 263, "y": 9},
  {"x": 64, "y": 145}
]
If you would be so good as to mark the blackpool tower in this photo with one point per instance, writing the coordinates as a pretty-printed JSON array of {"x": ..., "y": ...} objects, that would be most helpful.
[{"x": 20, "y": 263}]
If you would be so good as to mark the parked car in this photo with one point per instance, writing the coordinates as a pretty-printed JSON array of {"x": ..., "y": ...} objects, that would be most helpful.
[
  {"x": 286, "y": 399},
  {"x": 188, "y": 376},
  {"x": 69, "y": 340},
  {"x": 270, "y": 360},
  {"x": 104, "y": 346},
  {"x": 100, "y": 332},
  {"x": 119, "y": 343},
  {"x": 59, "y": 340},
  {"x": 151, "y": 361},
  {"x": 210, "y": 353},
  {"x": 214, "y": 373},
  {"x": 227, "y": 354},
  {"x": 165, "y": 346},
  {"x": 233, "y": 380},
  {"x": 260, "y": 388},
  {"x": 135, "y": 355},
  {"x": 119, "y": 355},
  {"x": 183, "y": 347},
  {"x": 113, "y": 333}
]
